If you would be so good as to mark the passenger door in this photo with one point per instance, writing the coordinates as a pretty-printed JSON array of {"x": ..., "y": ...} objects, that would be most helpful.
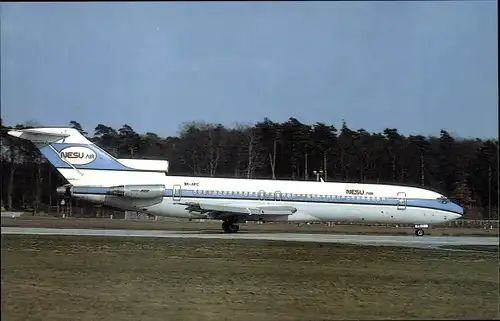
[
  {"x": 401, "y": 201},
  {"x": 177, "y": 193}
]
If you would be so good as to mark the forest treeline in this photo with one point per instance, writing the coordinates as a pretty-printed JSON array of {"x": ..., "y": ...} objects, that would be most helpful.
[{"x": 464, "y": 169}]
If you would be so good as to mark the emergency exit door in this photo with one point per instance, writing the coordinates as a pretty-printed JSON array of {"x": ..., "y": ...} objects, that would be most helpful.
[{"x": 401, "y": 201}]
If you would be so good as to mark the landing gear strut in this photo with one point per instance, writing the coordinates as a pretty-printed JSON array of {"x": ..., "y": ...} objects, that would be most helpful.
[
  {"x": 419, "y": 229},
  {"x": 230, "y": 227}
]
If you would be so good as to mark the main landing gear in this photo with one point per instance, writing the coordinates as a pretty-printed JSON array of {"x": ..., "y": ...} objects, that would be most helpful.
[
  {"x": 419, "y": 229},
  {"x": 230, "y": 227}
]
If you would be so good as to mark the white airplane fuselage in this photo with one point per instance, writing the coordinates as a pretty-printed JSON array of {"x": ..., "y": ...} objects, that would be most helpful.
[{"x": 314, "y": 201}]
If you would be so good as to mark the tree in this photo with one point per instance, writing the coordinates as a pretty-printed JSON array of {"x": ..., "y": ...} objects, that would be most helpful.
[
  {"x": 324, "y": 140},
  {"x": 107, "y": 138},
  {"x": 130, "y": 142},
  {"x": 346, "y": 149},
  {"x": 76, "y": 125},
  {"x": 446, "y": 158},
  {"x": 269, "y": 134},
  {"x": 249, "y": 151}
]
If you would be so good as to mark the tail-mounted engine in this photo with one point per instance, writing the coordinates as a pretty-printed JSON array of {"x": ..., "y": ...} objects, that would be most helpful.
[
  {"x": 137, "y": 191},
  {"x": 65, "y": 191}
]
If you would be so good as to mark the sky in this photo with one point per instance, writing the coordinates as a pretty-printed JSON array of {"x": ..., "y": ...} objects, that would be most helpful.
[{"x": 417, "y": 66}]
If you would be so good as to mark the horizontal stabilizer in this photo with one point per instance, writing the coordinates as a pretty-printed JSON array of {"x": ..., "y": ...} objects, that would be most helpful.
[{"x": 39, "y": 135}]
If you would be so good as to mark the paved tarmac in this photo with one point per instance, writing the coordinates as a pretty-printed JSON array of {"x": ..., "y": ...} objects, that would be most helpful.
[
  {"x": 11, "y": 214},
  {"x": 377, "y": 240}
]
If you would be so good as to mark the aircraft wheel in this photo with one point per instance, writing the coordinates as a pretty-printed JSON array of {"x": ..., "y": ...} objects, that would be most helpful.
[
  {"x": 419, "y": 232},
  {"x": 229, "y": 227}
]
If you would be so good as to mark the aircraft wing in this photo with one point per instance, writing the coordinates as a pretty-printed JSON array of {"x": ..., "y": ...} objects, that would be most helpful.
[{"x": 229, "y": 210}]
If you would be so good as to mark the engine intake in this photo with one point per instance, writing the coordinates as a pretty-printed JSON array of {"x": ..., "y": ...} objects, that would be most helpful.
[
  {"x": 65, "y": 190},
  {"x": 138, "y": 191}
]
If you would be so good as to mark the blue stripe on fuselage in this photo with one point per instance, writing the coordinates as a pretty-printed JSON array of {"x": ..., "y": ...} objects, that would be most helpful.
[{"x": 410, "y": 202}]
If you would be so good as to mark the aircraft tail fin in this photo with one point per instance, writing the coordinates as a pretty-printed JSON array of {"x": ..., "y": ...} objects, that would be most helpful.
[{"x": 69, "y": 151}]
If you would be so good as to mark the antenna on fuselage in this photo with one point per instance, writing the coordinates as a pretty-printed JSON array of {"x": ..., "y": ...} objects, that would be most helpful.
[{"x": 319, "y": 177}]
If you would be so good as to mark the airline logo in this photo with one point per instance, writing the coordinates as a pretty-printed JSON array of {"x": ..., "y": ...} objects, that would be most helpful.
[
  {"x": 357, "y": 192},
  {"x": 77, "y": 155}
]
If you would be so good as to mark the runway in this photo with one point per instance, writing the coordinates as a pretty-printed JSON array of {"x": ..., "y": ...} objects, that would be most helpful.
[{"x": 407, "y": 241}]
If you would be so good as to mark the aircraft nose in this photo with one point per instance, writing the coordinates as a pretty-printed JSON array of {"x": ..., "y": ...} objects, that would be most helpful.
[{"x": 459, "y": 210}]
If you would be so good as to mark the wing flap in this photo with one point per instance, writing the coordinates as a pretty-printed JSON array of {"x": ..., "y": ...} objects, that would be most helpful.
[
  {"x": 225, "y": 208},
  {"x": 276, "y": 210},
  {"x": 228, "y": 208}
]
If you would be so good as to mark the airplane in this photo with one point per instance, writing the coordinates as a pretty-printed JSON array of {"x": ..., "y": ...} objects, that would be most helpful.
[{"x": 145, "y": 186}]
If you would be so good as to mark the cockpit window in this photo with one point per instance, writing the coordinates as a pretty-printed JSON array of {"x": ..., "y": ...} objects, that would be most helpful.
[
  {"x": 455, "y": 201},
  {"x": 443, "y": 200}
]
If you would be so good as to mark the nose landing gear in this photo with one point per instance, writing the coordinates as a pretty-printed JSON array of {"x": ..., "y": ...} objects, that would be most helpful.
[{"x": 419, "y": 229}]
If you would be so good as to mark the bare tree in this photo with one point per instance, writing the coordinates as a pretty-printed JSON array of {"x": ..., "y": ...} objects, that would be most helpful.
[
  {"x": 191, "y": 146},
  {"x": 204, "y": 146},
  {"x": 214, "y": 150},
  {"x": 253, "y": 150},
  {"x": 268, "y": 136}
]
